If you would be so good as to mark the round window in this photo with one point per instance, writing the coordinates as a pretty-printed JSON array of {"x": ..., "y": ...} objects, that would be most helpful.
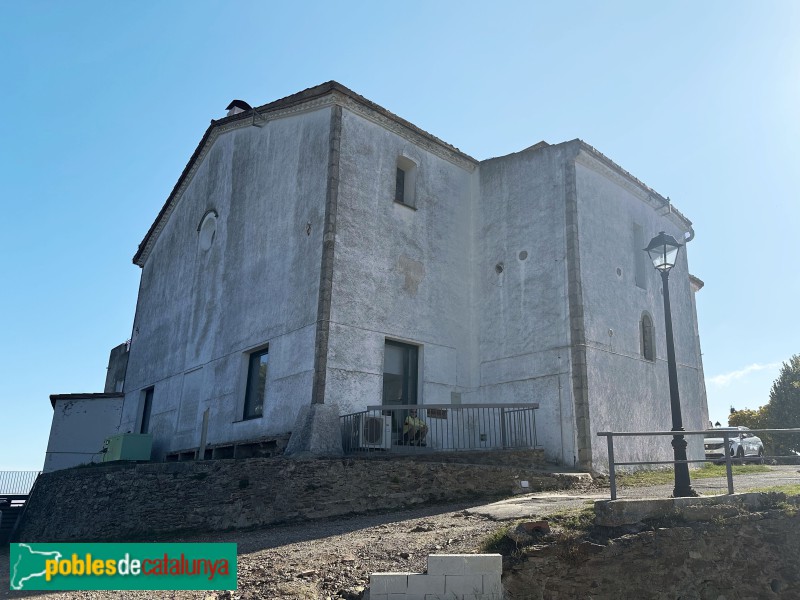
[{"x": 208, "y": 228}]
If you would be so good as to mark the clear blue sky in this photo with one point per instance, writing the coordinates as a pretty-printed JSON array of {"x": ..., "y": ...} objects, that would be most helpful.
[{"x": 103, "y": 104}]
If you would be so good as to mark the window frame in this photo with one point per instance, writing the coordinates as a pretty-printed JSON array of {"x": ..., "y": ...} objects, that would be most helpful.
[
  {"x": 252, "y": 409},
  {"x": 410, "y": 376},
  {"x": 147, "y": 409},
  {"x": 207, "y": 230},
  {"x": 408, "y": 168}
]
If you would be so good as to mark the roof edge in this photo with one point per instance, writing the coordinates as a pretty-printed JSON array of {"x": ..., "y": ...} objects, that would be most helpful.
[
  {"x": 297, "y": 99},
  {"x": 602, "y": 158},
  {"x": 86, "y": 396}
]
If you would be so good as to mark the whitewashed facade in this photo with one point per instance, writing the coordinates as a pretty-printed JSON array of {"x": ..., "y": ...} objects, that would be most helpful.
[{"x": 287, "y": 246}]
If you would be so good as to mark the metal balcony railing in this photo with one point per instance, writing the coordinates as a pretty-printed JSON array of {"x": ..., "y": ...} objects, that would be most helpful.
[
  {"x": 17, "y": 483},
  {"x": 726, "y": 434},
  {"x": 440, "y": 427}
]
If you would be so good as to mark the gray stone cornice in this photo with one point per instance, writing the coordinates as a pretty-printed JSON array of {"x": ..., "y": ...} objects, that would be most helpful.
[
  {"x": 412, "y": 134},
  {"x": 593, "y": 159}
]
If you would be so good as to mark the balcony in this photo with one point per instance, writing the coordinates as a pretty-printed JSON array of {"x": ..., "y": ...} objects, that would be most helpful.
[{"x": 440, "y": 427}]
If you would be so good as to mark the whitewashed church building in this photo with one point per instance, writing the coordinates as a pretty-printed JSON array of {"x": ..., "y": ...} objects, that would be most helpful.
[{"x": 322, "y": 250}]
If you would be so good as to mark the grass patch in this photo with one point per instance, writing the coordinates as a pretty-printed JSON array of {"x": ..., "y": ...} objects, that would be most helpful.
[
  {"x": 645, "y": 478},
  {"x": 792, "y": 489},
  {"x": 571, "y": 524},
  {"x": 497, "y": 542},
  {"x": 709, "y": 470},
  {"x": 576, "y": 520},
  {"x": 665, "y": 476}
]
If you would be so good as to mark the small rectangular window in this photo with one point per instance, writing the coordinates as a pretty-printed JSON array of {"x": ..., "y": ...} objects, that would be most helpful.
[
  {"x": 146, "y": 410},
  {"x": 640, "y": 257},
  {"x": 406, "y": 182},
  {"x": 256, "y": 384},
  {"x": 399, "y": 190}
]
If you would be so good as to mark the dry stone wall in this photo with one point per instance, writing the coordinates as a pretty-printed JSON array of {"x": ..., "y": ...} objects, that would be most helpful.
[
  {"x": 749, "y": 556},
  {"x": 140, "y": 501}
]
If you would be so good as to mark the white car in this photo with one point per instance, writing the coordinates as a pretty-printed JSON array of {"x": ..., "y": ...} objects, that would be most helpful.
[{"x": 742, "y": 445}]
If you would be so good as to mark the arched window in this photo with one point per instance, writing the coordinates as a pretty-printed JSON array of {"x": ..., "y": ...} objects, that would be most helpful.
[{"x": 647, "y": 337}]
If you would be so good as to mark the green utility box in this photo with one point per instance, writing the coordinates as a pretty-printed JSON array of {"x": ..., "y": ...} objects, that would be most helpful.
[{"x": 128, "y": 446}]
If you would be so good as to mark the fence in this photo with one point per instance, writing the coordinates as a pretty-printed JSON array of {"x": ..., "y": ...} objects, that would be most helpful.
[
  {"x": 728, "y": 459},
  {"x": 434, "y": 427},
  {"x": 17, "y": 483}
]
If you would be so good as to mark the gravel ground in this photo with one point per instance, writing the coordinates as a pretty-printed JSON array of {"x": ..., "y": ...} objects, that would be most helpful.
[
  {"x": 320, "y": 560},
  {"x": 333, "y": 559}
]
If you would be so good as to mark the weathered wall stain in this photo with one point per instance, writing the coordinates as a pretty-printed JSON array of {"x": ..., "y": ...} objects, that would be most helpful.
[{"x": 413, "y": 273}]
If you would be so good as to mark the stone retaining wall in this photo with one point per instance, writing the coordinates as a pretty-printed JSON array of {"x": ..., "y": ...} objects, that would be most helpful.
[
  {"x": 748, "y": 556},
  {"x": 127, "y": 502}
]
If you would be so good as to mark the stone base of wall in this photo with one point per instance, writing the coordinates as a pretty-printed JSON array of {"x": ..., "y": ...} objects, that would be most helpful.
[
  {"x": 747, "y": 556},
  {"x": 128, "y": 502}
]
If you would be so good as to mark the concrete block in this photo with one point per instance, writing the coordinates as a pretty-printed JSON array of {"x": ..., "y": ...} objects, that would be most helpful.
[
  {"x": 484, "y": 564},
  {"x": 388, "y": 583},
  {"x": 374, "y": 596},
  {"x": 492, "y": 587},
  {"x": 402, "y": 596},
  {"x": 464, "y": 564},
  {"x": 426, "y": 584},
  {"x": 460, "y": 585},
  {"x": 442, "y": 564}
]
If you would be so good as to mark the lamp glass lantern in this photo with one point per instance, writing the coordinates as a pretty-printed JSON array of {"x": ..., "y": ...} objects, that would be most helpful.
[{"x": 663, "y": 251}]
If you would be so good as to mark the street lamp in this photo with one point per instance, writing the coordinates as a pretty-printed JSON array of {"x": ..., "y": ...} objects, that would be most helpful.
[{"x": 663, "y": 251}]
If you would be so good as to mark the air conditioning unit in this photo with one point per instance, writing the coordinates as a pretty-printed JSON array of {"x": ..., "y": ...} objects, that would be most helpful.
[{"x": 375, "y": 431}]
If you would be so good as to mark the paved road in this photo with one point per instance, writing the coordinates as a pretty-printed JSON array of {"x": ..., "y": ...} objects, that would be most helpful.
[{"x": 542, "y": 504}]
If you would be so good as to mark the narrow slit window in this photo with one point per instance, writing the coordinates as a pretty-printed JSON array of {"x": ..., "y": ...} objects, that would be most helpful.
[
  {"x": 405, "y": 182},
  {"x": 146, "y": 410},
  {"x": 648, "y": 338},
  {"x": 256, "y": 384},
  {"x": 400, "y": 186}
]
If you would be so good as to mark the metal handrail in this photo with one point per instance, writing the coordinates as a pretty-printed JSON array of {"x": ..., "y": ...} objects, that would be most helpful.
[
  {"x": 726, "y": 435},
  {"x": 533, "y": 405},
  {"x": 17, "y": 483}
]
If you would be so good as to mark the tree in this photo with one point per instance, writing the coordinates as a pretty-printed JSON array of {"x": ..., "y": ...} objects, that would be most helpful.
[
  {"x": 783, "y": 409},
  {"x": 754, "y": 419},
  {"x": 781, "y": 412}
]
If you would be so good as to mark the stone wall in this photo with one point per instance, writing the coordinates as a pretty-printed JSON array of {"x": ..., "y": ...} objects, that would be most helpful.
[
  {"x": 747, "y": 556},
  {"x": 141, "y": 501}
]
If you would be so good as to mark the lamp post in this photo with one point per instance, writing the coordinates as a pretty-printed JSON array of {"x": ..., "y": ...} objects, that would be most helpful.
[{"x": 663, "y": 251}]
